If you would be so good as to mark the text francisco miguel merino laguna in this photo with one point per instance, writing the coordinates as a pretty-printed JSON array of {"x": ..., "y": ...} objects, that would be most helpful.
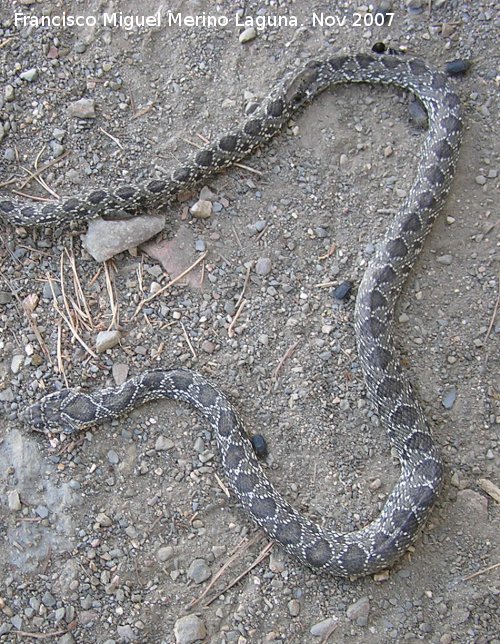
[{"x": 128, "y": 21}]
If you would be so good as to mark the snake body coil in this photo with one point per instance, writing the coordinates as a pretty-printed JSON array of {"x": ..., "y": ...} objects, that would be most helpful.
[{"x": 382, "y": 541}]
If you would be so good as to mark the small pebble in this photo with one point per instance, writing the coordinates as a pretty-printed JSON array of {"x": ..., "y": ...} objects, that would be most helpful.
[
  {"x": 199, "y": 571},
  {"x": 457, "y": 67},
  {"x": 202, "y": 209},
  {"x": 263, "y": 266},
  {"x": 342, "y": 291},
  {"x": 207, "y": 195},
  {"x": 113, "y": 457},
  {"x": 207, "y": 346},
  {"x": 16, "y": 363},
  {"x": 48, "y": 600},
  {"x": 42, "y": 511},
  {"x": 259, "y": 445},
  {"x": 163, "y": 444},
  {"x": 106, "y": 340},
  {"x": 103, "y": 520},
  {"x": 120, "y": 372},
  {"x": 29, "y": 75},
  {"x": 293, "y": 607},
  {"x": 247, "y": 35},
  {"x": 13, "y": 500},
  {"x": 449, "y": 397},
  {"x": 165, "y": 553}
]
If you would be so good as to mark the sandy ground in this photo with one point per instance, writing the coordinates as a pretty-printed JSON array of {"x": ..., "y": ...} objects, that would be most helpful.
[{"x": 114, "y": 537}]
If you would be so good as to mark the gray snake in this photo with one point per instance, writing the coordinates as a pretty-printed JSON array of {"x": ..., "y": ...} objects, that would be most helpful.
[{"x": 382, "y": 541}]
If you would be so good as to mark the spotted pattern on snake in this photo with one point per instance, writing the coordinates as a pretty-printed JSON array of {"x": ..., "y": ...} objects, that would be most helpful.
[{"x": 385, "y": 539}]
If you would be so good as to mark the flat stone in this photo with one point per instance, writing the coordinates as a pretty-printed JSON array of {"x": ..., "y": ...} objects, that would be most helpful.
[
  {"x": 82, "y": 109},
  {"x": 321, "y": 629},
  {"x": 359, "y": 611},
  {"x": 163, "y": 443},
  {"x": 189, "y": 629},
  {"x": 16, "y": 363},
  {"x": 105, "y": 239},
  {"x": 13, "y": 501},
  {"x": 120, "y": 372},
  {"x": 449, "y": 397}
]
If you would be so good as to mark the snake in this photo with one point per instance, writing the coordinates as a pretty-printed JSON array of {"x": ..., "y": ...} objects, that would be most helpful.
[{"x": 322, "y": 547}]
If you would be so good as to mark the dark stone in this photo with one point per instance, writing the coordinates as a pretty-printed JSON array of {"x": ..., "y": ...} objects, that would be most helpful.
[
  {"x": 259, "y": 445},
  {"x": 457, "y": 67},
  {"x": 342, "y": 291}
]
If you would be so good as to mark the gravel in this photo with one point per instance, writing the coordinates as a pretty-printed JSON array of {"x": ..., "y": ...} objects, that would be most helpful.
[{"x": 102, "y": 531}]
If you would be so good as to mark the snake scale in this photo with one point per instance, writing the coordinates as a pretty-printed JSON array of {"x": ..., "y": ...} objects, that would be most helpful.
[{"x": 382, "y": 541}]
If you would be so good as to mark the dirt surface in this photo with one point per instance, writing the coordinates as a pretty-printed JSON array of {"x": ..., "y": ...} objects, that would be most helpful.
[{"x": 115, "y": 536}]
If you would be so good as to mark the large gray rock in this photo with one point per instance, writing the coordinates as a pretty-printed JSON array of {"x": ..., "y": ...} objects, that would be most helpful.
[{"x": 104, "y": 239}]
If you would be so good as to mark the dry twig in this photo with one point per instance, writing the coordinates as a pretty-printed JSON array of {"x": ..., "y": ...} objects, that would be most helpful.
[
  {"x": 230, "y": 330},
  {"x": 171, "y": 283},
  {"x": 481, "y": 572}
]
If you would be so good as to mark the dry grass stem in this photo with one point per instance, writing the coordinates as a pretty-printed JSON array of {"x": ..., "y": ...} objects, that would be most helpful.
[
  {"x": 490, "y": 488},
  {"x": 230, "y": 330},
  {"x": 69, "y": 322},
  {"x": 263, "y": 554},
  {"x": 235, "y": 554},
  {"x": 222, "y": 486},
  {"x": 288, "y": 353},
  {"x": 82, "y": 306},
  {"x": 481, "y": 572},
  {"x": 60, "y": 361},
  {"x": 236, "y": 236},
  {"x": 495, "y": 311},
  {"x": 115, "y": 321},
  {"x": 186, "y": 337},
  {"x": 245, "y": 284},
  {"x": 113, "y": 138},
  {"x": 171, "y": 283},
  {"x": 34, "y": 174}
]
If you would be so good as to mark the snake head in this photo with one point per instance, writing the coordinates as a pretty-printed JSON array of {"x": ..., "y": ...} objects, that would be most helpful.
[{"x": 49, "y": 413}]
